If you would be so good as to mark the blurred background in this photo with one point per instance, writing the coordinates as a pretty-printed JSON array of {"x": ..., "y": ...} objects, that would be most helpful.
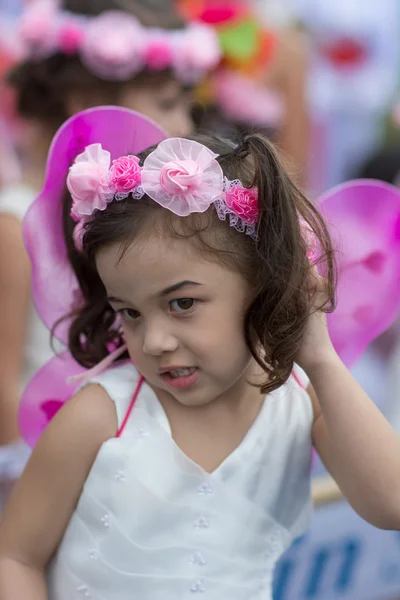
[{"x": 323, "y": 80}]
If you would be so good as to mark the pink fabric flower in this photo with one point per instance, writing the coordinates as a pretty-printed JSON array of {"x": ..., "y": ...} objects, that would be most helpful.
[
  {"x": 38, "y": 28},
  {"x": 87, "y": 181},
  {"x": 158, "y": 54},
  {"x": 197, "y": 51},
  {"x": 125, "y": 174},
  {"x": 180, "y": 177},
  {"x": 183, "y": 176},
  {"x": 243, "y": 202},
  {"x": 71, "y": 36},
  {"x": 113, "y": 45}
]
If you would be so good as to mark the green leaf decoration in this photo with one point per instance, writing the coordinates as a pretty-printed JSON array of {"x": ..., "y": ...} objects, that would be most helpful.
[{"x": 240, "y": 41}]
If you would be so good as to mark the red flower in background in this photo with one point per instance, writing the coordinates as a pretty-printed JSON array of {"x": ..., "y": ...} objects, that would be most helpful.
[
  {"x": 345, "y": 52},
  {"x": 212, "y": 12}
]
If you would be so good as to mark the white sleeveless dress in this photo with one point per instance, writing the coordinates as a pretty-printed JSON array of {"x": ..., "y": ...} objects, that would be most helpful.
[{"x": 152, "y": 525}]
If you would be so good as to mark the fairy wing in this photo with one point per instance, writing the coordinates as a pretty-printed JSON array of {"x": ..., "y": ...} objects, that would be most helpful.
[
  {"x": 45, "y": 394},
  {"x": 54, "y": 286},
  {"x": 363, "y": 217}
]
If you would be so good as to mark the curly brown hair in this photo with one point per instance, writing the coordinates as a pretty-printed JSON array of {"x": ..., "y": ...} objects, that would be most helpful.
[
  {"x": 275, "y": 264},
  {"x": 43, "y": 86}
]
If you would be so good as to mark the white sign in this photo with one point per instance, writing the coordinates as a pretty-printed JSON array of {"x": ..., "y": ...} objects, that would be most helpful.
[{"x": 340, "y": 558}]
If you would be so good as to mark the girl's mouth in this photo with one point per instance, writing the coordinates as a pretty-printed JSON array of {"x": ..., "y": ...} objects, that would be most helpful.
[{"x": 180, "y": 378}]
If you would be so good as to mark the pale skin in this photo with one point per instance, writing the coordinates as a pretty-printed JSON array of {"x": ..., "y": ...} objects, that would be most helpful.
[
  {"x": 287, "y": 73},
  {"x": 168, "y": 105},
  {"x": 191, "y": 325},
  {"x": 14, "y": 302}
]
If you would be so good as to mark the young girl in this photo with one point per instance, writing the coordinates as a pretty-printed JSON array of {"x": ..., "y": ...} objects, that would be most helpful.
[
  {"x": 185, "y": 469},
  {"x": 77, "y": 55}
]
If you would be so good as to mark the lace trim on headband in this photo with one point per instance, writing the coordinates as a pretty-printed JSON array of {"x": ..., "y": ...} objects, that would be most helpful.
[
  {"x": 224, "y": 212},
  {"x": 136, "y": 194},
  {"x": 240, "y": 205}
]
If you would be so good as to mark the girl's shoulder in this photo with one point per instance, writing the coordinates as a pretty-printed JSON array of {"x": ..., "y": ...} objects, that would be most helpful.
[
  {"x": 120, "y": 384},
  {"x": 292, "y": 401},
  {"x": 52, "y": 482}
]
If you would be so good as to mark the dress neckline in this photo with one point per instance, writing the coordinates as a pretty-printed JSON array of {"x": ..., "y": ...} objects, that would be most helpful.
[{"x": 148, "y": 399}]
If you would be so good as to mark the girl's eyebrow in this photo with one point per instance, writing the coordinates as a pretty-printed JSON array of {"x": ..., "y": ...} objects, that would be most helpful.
[
  {"x": 172, "y": 288},
  {"x": 114, "y": 299},
  {"x": 178, "y": 286}
]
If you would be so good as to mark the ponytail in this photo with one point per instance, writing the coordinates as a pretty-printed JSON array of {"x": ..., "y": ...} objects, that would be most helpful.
[{"x": 280, "y": 310}]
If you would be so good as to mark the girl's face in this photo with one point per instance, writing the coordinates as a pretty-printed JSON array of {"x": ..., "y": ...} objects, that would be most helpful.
[
  {"x": 182, "y": 317},
  {"x": 167, "y": 103}
]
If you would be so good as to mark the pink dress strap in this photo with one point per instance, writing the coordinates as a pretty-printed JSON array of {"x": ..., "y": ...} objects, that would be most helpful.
[
  {"x": 130, "y": 407},
  {"x": 297, "y": 379}
]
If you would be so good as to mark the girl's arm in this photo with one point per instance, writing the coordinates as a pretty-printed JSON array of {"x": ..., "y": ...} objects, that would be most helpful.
[
  {"x": 354, "y": 440},
  {"x": 356, "y": 443},
  {"x": 44, "y": 498},
  {"x": 14, "y": 307}
]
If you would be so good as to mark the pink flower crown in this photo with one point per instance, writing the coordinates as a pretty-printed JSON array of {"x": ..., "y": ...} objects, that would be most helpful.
[
  {"x": 181, "y": 175},
  {"x": 114, "y": 45}
]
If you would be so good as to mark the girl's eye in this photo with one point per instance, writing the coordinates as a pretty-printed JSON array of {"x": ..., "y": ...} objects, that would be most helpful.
[
  {"x": 129, "y": 313},
  {"x": 182, "y": 304}
]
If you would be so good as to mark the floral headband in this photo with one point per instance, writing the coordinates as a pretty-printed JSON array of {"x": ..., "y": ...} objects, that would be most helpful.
[
  {"x": 114, "y": 45},
  {"x": 181, "y": 175}
]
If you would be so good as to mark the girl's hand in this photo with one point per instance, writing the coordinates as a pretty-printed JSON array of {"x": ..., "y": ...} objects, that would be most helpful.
[{"x": 316, "y": 346}]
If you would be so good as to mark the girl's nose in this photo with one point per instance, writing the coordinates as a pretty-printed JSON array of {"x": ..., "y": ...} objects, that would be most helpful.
[{"x": 156, "y": 342}]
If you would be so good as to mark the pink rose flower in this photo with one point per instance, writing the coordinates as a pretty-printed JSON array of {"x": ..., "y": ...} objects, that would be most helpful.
[
  {"x": 87, "y": 181},
  {"x": 158, "y": 54},
  {"x": 243, "y": 202},
  {"x": 113, "y": 45},
  {"x": 125, "y": 174},
  {"x": 181, "y": 177},
  {"x": 71, "y": 36}
]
